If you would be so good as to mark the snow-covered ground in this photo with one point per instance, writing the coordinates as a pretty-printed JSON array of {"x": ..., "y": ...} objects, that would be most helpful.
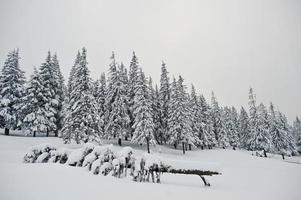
[{"x": 243, "y": 177}]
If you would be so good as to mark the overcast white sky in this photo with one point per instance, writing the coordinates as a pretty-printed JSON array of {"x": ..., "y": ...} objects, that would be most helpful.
[{"x": 224, "y": 46}]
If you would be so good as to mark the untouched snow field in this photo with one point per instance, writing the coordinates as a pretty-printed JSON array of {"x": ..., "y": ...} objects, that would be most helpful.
[{"x": 243, "y": 177}]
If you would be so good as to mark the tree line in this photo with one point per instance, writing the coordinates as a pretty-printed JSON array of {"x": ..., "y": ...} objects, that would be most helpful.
[{"x": 127, "y": 105}]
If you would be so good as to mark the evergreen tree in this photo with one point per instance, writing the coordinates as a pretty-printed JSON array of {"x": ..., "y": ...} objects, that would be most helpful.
[
  {"x": 297, "y": 133},
  {"x": 118, "y": 118},
  {"x": 196, "y": 118},
  {"x": 251, "y": 138},
  {"x": 100, "y": 99},
  {"x": 179, "y": 123},
  {"x": 243, "y": 128},
  {"x": 216, "y": 115},
  {"x": 82, "y": 120},
  {"x": 207, "y": 135},
  {"x": 35, "y": 119},
  {"x": 224, "y": 132},
  {"x": 132, "y": 84},
  {"x": 230, "y": 117},
  {"x": 11, "y": 92},
  {"x": 49, "y": 102},
  {"x": 59, "y": 93},
  {"x": 164, "y": 97},
  {"x": 143, "y": 123}
]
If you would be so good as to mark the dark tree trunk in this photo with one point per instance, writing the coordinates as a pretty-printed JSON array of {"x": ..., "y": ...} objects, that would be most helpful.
[
  {"x": 126, "y": 138},
  {"x": 265, "y": 153},
  {"x": 47, "y": 132},
  {"x": 6, "y": 131},
  {"x": 282, "y": 156},
  {"x": 183, "y": 145},
  {"x": 147, "y": 145},
  {"x": 56, "y": 133},
  {"x": 234, "y": 148},
  {"x": 189, "y": 147},
  {"x": 34, "y": 134},
  {"x": 119, "y": 142},
  {"x": 175, "y": 145},
  {"x": 202, "y": 147}
]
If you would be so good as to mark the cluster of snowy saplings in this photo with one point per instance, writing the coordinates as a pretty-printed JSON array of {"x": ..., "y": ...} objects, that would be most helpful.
[
  {"x": 100, "y": 160},
  {"x": 103, "y": 160}
]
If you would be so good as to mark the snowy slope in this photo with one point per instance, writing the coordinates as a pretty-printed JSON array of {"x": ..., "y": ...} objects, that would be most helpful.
[{"x": 244, "y": 177}]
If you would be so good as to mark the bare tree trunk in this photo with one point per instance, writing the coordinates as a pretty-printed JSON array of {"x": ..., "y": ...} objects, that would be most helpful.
[
  {"x": 119, "y": 142},
  {"x": 175, "y": 145},
  {"x": 47, "y": 132},
  {"x": 34, "y": 134},
  {"x": 265, "y": 153},
  {"x": 56, "y": 133},
  {"x": 189, "y": 147},
  {"x": 147, "y": 145},
  {"x": 6, "y": 131},
  {"x": 282, "y": 156},
  {"x": 183, "y": 145}
]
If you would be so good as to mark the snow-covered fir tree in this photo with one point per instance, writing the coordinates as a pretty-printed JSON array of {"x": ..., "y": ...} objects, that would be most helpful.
[
  {"x": 132, "y": 84},
  {"x": 35, "y": 120},
  {"x": 297, "y": 133},
  {"x": 223, "y": 131},
  {"x": 12, "y": 91},
  {"x": 243, "y": 128},
  {"x": 100, "y": 99},
  {"x": 179, "y": 123},
  {"x": 59, "y": 91},
  {"x": 143, "y": 122},
  {"x": 164, "y": 98},
  {"x": 207, "y": 135},
  {"x": 82, "y": 120},
  {"x": 118, "y": 121},
  {"x": 253, "y": 122},
  {"x": 155, "y": 104},
  {"x": 49, "y": 102},
  {"x": 262, "y": 139},
  {"x": 195, "y": 117},
  {"x": 219, "y": 128},
  {"x": 230, "y": 124}
]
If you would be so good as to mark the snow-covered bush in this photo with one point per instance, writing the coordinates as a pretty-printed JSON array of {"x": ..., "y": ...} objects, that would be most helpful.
[
  {"x": 76, "y": 157},
  {"x": 39, "y": 153}
]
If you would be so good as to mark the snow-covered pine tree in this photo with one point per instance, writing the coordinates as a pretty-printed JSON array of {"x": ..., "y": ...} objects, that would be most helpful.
[
  {"x": 262, "y": 140},
  {"x": 224, "y": 133},
  {"x": 217, "y": 123},
  {"x": 206, "y": 134},
  {"x": 35, "y": 120},
  {"x": 283, "y": 141},
  {"x": 253, "y": 122},
  {"x": 157, "y": 114},
  {"x": 179, "y": 123},
  {"x": 143, "y": 122},
  {"x": 230, "y": 124},
  {"x": 297, "y": 133},
  {"x": 132, "y": 84},
  {"x": 164, "y": 97},
  {"x": 12, "y": 91},
  {"x": 286, "y": 131},
  {"x": 49, "y": 102},
  {"x": 100, "y": 99},
  {"x": 71, "y": 83},
  {"x": 195, "y": 112},
  {"x": 118, "y": 122},
  {"x": 243, "y": 128},
  {"x": 82, "y": 120},
  {"x": 59, "y": 91}
]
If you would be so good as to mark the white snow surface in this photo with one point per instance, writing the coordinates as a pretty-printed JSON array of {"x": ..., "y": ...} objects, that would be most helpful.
[{"x": 243, "y": 176}]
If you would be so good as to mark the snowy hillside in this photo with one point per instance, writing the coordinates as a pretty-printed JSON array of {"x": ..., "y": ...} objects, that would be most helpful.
[{"x": 243, "y": 176}]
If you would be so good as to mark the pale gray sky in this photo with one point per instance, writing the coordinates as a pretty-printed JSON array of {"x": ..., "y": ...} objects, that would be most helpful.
[{"x": 224, "y": 46}]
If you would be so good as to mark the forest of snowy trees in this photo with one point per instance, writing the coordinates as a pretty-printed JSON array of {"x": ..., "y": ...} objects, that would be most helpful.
[{"x": 127, "y": 105}]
